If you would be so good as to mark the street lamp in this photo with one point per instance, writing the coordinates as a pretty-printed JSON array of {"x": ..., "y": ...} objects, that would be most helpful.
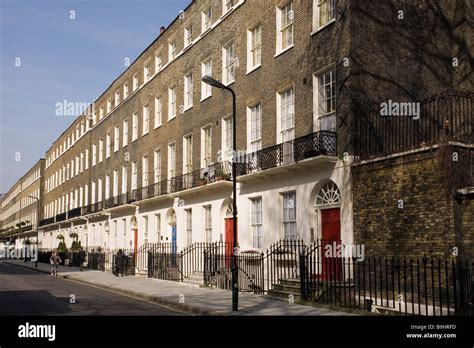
[
  {"x": 217, "y": 84},
  {"x": 37, "y": 227}
]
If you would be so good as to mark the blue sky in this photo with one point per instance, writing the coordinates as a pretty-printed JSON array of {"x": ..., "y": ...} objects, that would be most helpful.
[{"x": 62, "y": 59}]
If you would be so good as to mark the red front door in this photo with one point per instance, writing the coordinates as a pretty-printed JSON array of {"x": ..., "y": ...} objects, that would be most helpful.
[
  {"x": 229, "y": 240},
  {"x": 331, "y": 237}
]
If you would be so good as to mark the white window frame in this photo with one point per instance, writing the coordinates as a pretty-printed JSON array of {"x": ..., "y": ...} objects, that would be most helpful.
[
  {"x": 172, "y": 102},
  {"x": 125, "y": 133},
  {"x": 206, "y": 69},
  {"x": 207, "y": 223},
  {"x": 158, "y": 112},
  {"x": 206, "y": 146},
  {"x": 188, "y": 91},
  {"x": 254, "y": 47},
  {"x": 254, "y": 137},
  {"x": 206, "y": 19},
  {"x": 289, "y": 216},
  {"x": 135, "y": 126},
  {"x": 86, "y": 160},
  {"x": 157, "y": 166},
  {"x": 172, "y": 50},
  {"x": 227, "y": 6},
  {"x": 116, "y": 138},
  {"x": 281, "y": 29},
  {"x": 124, "y": 179},
  {"x": 117, "y": 98},
  {"x": 158, "y": 62},
  {"x": 107, "y": 187},
  {"x": 146, "y": 120},
  {"x": 109, "y": 105},
  {"x": 146, "y": 72},
  {"x": 101, "y": 150},
  {"x": 189, "y": 226},
  {"x": 187, "y": 154},
  {"x": 227, "y": 138},
  {"x": 115, "y": 185},
  {"x": 188, "y": 36},
  {"x": 318, "y": 6},
  {"x": 256, "y": 220},
  {"x": 94, "y": 154},
  {"x": 289, "y": 124},
  {"x": 228, "y": 64},
  {"x": 125, "y": 91},
  {"x": 145, "y": 173},
  {"x": 135, "y": 83},
  {"x": 108, "y": 146},
  {"x": 321, "y": 99},
  {"x": 134, "y": 183},
  {"x": 171, "y": 160}
]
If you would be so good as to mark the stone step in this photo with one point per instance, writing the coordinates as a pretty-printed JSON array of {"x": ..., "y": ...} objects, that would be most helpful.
[
  {"x": 283, "y": 295},
  {"x": 286, "y": 288},
  {"x": 291, "y": 282}
]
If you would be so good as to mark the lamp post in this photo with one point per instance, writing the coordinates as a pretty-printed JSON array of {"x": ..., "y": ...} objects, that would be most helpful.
[
  {"x": 37, "y": 227},
  {"x": 217, "y": 84}
]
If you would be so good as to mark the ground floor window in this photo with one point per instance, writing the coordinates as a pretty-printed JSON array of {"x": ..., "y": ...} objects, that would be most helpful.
[
  {"x": 289, "y": 216},
  {"x": 189, "y": 229},
  {"x": 257, "y": 222},
  {"x": 208, "y": 223}
]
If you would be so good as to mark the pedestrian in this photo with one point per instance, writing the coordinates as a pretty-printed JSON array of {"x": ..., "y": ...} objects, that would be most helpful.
[
  {"x": 82, "y": 258},
  {"x": 119, "y": 260},
  {"x": 54, "y": 260}
]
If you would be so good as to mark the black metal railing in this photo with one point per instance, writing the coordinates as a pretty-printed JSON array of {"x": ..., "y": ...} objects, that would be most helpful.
[
  {"x": 406, "y": 286},
  {"x": 74, "y": 213},
  {"x": 448, "y": 116},
  {"x": 308, "y": 146},
  {"x": 47, "y": 221},
  {"x": 212, "y": 173},
  {"x": 60, "y": 217}
]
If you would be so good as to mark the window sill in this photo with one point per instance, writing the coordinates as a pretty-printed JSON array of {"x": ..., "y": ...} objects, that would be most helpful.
[
  {"x": 283, "y": 51},
  {"x": 205, "y": 98},
  {"x": 186, "y": 108},
  {"x": 171, "y": 118},
  {"x": 227, "y": 84},
  {"x": 253, "y": 69},
  {"x": 324, "y": 26},
  {"x": 145, "y": 134},
  {"x": 156, "y": 127}
]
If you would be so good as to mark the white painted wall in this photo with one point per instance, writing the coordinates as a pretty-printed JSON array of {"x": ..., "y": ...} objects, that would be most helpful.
[{"x": 306, "y": 182}]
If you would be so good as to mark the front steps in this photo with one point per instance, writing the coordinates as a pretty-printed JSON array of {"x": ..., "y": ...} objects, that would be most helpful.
[{"x": 286, "y": 290}]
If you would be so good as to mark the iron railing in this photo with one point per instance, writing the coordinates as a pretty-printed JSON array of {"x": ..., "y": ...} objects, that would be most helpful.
[
  {"x": 308, "y": 146},
  {"x": 406, "y": 286},
  {"x": 448, "y": 116},
  {"x": 74, "y": 213},
  {"x": 60, "y": 217}
]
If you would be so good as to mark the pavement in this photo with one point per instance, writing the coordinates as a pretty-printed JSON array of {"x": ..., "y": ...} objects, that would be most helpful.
[{"x": 179, "y": 296}]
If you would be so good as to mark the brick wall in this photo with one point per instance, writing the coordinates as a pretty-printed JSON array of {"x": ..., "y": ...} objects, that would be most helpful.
[{"x": 426, "y": 222}]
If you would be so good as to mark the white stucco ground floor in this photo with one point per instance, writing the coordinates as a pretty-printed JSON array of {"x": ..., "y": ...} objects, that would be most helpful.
[{"x": 307, "y": 201}]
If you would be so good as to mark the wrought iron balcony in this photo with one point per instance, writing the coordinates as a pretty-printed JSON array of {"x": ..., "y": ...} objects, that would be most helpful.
[
  {"x": 74, "y": 213},
  {"x": 308, "y": 146},
  {"x": 210, "y": 174},
  {"x": 150, "y": 191},
  {"x": 60, "y": 217},
  {"x": 47, "y": 221}
]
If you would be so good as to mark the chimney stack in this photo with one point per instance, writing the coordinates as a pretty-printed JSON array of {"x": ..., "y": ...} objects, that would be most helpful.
[{"x": 162, "y": 29}]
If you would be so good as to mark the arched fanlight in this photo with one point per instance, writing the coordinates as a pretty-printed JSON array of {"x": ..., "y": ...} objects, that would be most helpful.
[{"x": 328, "y": 194}]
